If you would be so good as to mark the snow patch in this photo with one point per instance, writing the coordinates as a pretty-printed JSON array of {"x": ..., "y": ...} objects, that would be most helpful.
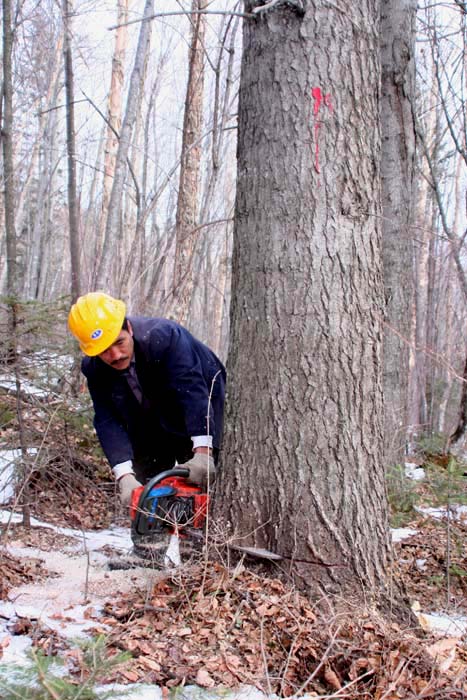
[
  {"x": 15, "y": 647},
  {"x": 414, "y": 471},
  {"x": 445, "y": 625},
  {"x": 116, "y": 537},
  {"x": 9, "y": 384},
  {"x": 140, "y": 691},
  {"x": 455, "y": 512},
  {"x": 402, "y": 533},
  {"x": 8, "y": 459}
]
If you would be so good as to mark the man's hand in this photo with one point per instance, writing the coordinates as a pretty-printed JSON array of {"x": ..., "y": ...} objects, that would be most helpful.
[
  {"x": 201, "y": 465},
  {"x": 126, "y": 485}
]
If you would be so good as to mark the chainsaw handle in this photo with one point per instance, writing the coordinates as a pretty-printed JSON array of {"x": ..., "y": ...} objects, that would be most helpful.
[{"x": 180, "y": 471}]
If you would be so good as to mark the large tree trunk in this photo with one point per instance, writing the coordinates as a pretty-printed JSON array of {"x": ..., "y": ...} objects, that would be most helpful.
[
  {"x": 303, "y": 473},
  {"x": 397, "y": 169},
  {"x": 189, "y": 183}
]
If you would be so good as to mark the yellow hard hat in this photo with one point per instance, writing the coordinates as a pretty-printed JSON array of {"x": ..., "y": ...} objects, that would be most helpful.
[{"x": 96, "y": 321}]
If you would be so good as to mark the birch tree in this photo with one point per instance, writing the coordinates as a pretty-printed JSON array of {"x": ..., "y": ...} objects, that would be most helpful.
[{"x": 108, "y": 272}]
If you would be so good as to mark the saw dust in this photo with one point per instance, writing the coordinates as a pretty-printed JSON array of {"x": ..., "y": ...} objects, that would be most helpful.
[
  {"x": 211, "y": 627},
  {"x": 433, "y": 565},
  {"x": 76, "y": 581}
]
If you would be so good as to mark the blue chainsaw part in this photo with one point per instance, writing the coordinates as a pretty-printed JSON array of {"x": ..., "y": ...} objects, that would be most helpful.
[
  {"x": 141, "y": 528},
  {"x": 153, "y": 496}
]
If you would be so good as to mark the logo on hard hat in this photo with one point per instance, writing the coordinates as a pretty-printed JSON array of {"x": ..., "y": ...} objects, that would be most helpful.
[{"x": 96, "y": 334}]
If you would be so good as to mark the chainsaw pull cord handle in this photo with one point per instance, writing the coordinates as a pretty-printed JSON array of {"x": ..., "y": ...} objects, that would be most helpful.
[{"x": 160, "y": 477}]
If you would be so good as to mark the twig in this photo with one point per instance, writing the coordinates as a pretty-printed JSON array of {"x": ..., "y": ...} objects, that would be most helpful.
[
  {"x": 208, "y": 484},
  {"x": 42, "y": 679},
  {"x": 188, "y": 12},
  {"x": 321, "y": 663},
  {"x": 263, "y": 656},
  {"x": 341, "y": 691}
]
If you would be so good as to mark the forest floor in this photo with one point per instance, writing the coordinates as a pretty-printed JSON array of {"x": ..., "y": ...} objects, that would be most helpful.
[{"x": 214, "y": 624}]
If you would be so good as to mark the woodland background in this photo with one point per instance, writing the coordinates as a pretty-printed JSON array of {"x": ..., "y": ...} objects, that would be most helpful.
[
  {"x": 119, "y": 142},
  {"x": 119, "y": 173}
]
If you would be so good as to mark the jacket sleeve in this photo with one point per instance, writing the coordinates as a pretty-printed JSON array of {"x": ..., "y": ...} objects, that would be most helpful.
[
  {"x": 112, "y": 435},
  {"x": 183, "y": 370}
]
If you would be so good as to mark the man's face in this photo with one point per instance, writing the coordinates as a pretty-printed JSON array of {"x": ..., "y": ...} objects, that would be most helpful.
[{"x": 119, "y": 354}]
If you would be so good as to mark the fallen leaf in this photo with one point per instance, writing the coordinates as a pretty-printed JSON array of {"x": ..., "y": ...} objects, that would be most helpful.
[
  {"x": 204, "y": 679},
  {"x": 131, "y": 676},
  {"x": 149, "y": 663},
  {"x": 332, "y": 678},
  {"x": 443, "y": 646}
]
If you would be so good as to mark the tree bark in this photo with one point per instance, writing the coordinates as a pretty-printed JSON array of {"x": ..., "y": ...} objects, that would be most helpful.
[
  {"x": 189, "y": 183},
  {"x": 9, "y": 349},
  {"x": 397, "y": 176},
  {"x": 303, "y": 473},
  {"x": 71, "y": 155},
  {"x": 7, "y": 151}
]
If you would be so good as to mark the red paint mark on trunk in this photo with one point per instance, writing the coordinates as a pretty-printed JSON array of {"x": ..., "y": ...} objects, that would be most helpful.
[
  {"x": 318, "y": 100},
  {"x": 317, "y": 96}
]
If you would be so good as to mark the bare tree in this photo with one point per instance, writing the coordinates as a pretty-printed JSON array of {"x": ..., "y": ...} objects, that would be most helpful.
[
  {"x": 397, "y": 175},
  {"x": 441, "y": 135},
  {"x": 108, "y": 274},
  {"x": 190, "y": 178},
  {"x": 8, "y": 165},
  {"x": 114, "y": 119},
  {"x": 71, "y": 155}
]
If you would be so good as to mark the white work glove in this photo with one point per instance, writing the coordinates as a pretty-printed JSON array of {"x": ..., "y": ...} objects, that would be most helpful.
[
  {"x": 200, "y": 466},
  {"x": 126, "y": 485}
]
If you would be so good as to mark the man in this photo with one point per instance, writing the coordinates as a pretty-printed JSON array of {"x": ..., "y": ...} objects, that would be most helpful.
[{"x": 158, "y": 392}]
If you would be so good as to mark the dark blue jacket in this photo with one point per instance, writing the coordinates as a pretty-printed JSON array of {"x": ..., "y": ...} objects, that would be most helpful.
[{"x": 177, "y": 374}]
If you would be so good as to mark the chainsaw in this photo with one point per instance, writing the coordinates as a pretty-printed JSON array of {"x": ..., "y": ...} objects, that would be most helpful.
[{"x": 168, "y": 514}]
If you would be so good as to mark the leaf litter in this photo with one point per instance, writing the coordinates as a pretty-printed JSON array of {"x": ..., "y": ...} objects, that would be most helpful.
[{"x": 209, "y": 626}]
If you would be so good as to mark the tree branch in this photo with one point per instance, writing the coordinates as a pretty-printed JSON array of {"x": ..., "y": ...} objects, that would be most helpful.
[{"x": 246, "y": 15}]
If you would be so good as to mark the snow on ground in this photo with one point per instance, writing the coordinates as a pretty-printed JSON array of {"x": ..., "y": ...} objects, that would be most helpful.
[
  {"x": 71, "y": 599},
  {"x": 401, "y": 533},
  {"x": 455, "y": 512},
  {"x": 8, "y": 460},
  {"x": 445, "y": 625},
  {"x": 116, "y": 537},
  {"x": 71, "y": 602},
  {"x": 8, "y": 383},
  {"x": 414, "y": 471},
  {"x": 190, "y": 692}
]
